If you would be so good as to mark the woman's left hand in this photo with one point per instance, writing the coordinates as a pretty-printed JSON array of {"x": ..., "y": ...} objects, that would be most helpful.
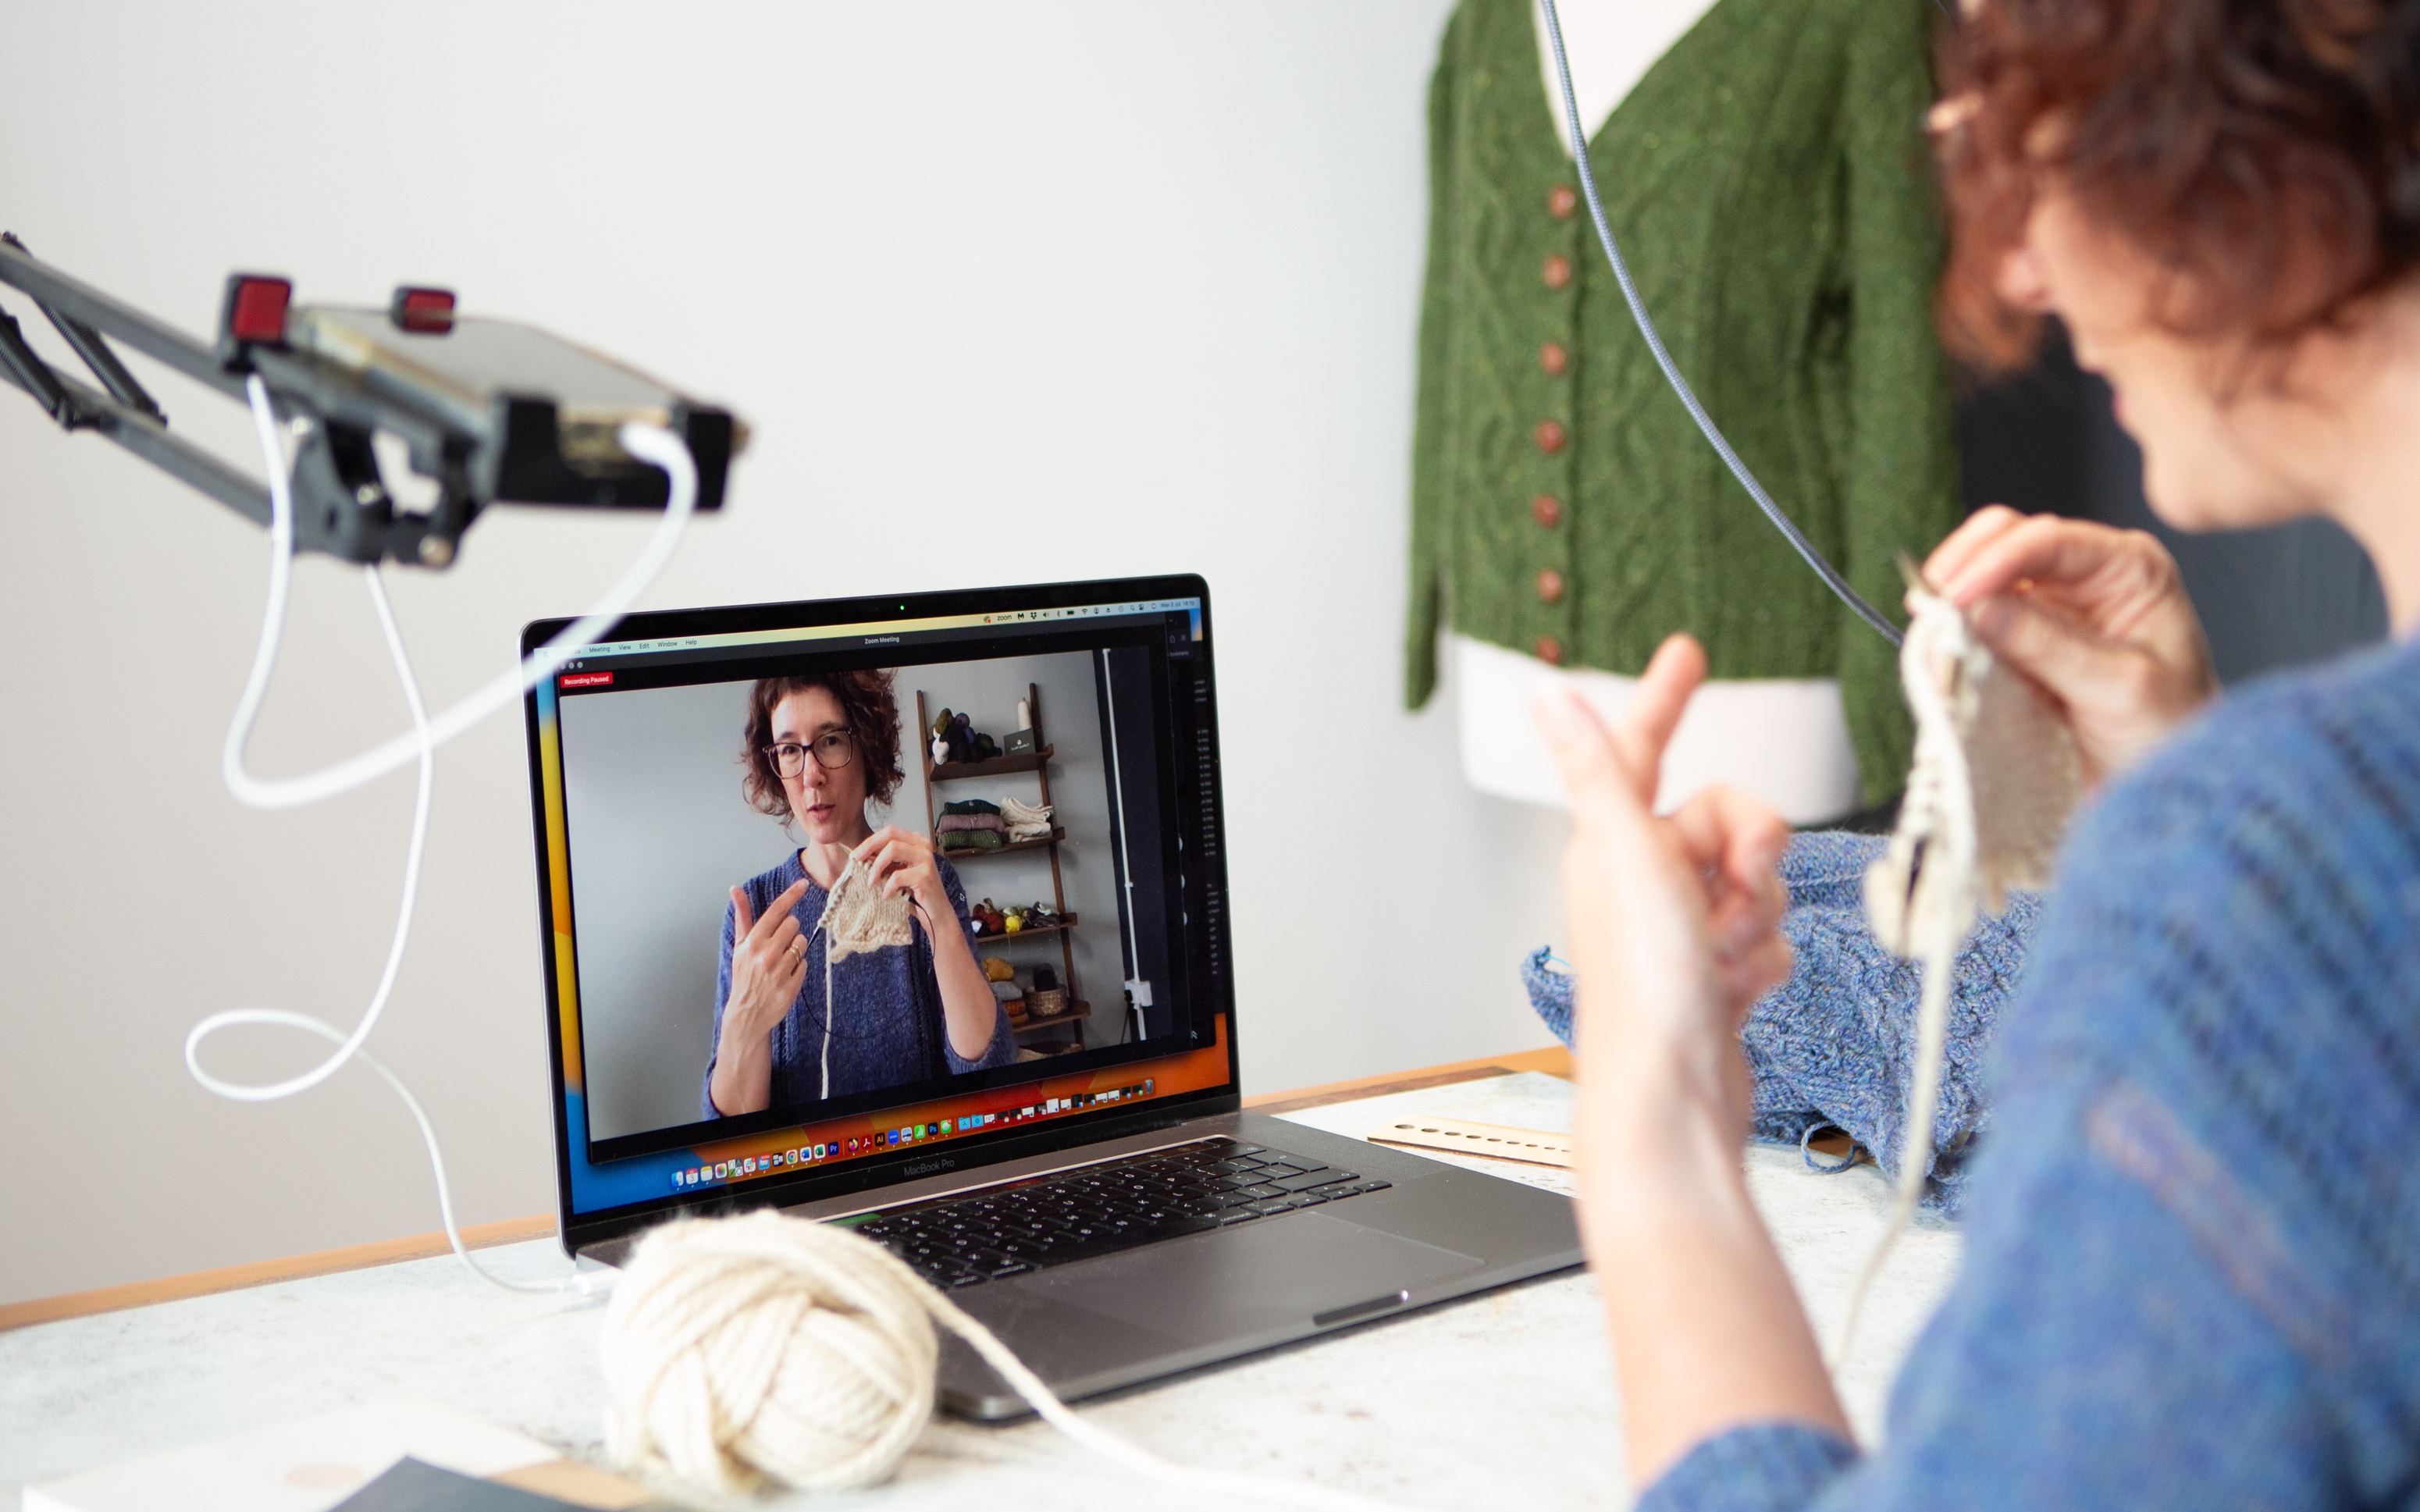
[
  {"x": 1675, "y": 930},
  {"x": 902, "y": 861},
  {"x": 1675, "y": 921}
]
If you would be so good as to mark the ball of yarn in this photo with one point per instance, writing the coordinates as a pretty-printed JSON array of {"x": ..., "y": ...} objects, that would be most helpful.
[{"x": 760, "y": 1347}]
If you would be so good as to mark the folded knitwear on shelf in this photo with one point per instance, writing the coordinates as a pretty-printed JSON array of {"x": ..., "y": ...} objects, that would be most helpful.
[
  {"x": 973, "y": 840},
  {"x": 1007, "y": 992},
  {"x": 1026, "y": 820},
  {"x": 970, "y": 806},
  {"x": 952, "y": 822}
]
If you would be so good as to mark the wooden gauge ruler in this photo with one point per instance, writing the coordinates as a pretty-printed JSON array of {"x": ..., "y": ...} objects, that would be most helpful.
[{"x": 1464, "y": 1138}]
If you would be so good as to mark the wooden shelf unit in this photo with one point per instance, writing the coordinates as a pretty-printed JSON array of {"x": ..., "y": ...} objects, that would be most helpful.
[
  {"x": 961, "y": 857},
  {"x": 1034, "y": 1025},
  {"x": 1024, "y": 761},
  {"x": 1032, "y": 932},
  {"x": 1037, "y": 762}
]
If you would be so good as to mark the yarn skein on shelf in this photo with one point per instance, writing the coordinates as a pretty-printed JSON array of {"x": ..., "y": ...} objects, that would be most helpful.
[{"x": 764, "y": 1350}]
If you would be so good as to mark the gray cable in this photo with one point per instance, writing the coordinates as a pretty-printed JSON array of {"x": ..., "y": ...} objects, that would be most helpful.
[{"x": 1781, "y": 522}]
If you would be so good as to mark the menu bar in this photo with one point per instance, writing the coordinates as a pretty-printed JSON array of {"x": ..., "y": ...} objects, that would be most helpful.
[{"x": 893, "y": 627}]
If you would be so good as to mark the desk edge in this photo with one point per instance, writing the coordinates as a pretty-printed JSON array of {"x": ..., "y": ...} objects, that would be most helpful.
[
  {"x": 1554, "y": 1060},
  {"x": 263, "y": 1272}
]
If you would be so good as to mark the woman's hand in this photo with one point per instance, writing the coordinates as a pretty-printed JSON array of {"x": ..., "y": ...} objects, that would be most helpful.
[
  {"x": 2098, "y": 616},
  {"x": 1674, "y": 922},
  {"x": 769, "y": 964},
  {"x": 902, "y": 861},
  {"x": 1674, "y": 928}
]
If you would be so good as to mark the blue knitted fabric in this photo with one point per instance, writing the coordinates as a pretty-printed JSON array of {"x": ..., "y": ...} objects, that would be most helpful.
[
  {"x": 2193, "y": 1281},
  {"x": 1835, "y": 1043}
]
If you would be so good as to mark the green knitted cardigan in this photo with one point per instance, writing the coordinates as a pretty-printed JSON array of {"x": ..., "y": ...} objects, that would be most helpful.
[{"x": 1770, "y": 184}]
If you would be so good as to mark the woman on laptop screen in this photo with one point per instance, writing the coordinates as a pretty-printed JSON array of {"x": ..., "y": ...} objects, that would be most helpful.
[{"x": 826, "y": 989}]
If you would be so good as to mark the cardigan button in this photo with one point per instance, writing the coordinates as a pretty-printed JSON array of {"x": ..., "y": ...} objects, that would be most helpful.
[
  {"x": 1560, "y": 201},
  {"x": 1558, "y": 272},
  {"x": 1555, "y": 357},
  {"x": 1546, "y": 510},
  {"x": 1549, "y": 650},
  {"x": 1549, "y": 435},
  {"x": 1550, "y": 586}
]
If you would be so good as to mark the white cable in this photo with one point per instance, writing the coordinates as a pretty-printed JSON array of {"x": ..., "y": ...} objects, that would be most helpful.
[
  {"x": 349, "y": 1045},
  {"x": 648, "y": 443}
]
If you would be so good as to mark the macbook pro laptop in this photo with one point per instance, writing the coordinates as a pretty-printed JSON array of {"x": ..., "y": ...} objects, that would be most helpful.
[{"x": 1031, "y": 1097}]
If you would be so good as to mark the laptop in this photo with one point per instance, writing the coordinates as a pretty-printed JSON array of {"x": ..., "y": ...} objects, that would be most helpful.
[{"x": 1024, "y": 1081}]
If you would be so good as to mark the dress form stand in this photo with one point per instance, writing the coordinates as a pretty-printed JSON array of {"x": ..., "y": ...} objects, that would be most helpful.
[{"x": 1784, "y": 740}]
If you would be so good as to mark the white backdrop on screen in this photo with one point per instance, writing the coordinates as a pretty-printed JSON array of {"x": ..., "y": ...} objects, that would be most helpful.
[
  {"x": 659, "y": 836},
  {"x": 1008, "y": 294}
]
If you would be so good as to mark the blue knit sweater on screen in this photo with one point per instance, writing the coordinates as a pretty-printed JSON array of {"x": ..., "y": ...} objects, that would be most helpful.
[
  {"x": 2192, "y": 1273},
  {"x": 887, "y": 1029}
]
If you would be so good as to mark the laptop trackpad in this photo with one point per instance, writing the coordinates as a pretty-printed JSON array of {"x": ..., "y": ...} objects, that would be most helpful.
[{"x": 1272, "y": 1274}]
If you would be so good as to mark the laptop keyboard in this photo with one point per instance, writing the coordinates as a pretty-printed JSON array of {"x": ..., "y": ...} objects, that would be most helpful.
[{"x": 1098, "y": 1210}]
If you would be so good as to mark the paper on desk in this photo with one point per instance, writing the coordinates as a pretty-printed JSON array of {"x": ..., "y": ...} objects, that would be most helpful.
[{"x": 308, "y": 1466}]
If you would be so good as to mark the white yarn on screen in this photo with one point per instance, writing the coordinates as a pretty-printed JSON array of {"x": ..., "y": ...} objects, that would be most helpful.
[{"x": 764, "y": 1350}]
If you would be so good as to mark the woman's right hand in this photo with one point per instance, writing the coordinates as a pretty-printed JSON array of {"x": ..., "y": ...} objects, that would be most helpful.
[
  {"x": 2098, "y": 616},
  {"x": 769, "y": 964}
]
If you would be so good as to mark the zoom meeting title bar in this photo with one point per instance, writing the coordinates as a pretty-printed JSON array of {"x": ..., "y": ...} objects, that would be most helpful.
[{"x": 895, "y": 628}]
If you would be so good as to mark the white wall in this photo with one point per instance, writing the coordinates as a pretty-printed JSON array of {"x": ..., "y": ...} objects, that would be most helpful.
[
  {"x": 659, "y": 835},
  {"x": 1009, "y": 292}
]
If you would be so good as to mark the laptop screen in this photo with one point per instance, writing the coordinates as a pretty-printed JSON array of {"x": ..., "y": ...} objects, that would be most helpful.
[{"x": 1038, "y": 945}]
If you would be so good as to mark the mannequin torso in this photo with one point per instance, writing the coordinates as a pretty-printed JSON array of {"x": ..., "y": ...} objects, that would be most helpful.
[{"x": 1784, "y": 740}]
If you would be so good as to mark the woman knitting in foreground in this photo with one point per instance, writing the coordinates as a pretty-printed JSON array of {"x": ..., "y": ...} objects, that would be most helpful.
[{"x": 2191, "y": 1272}]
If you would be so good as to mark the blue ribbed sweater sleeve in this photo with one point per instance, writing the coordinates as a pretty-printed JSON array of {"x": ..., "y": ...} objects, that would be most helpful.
[{"x": 2192, "y": 1276}]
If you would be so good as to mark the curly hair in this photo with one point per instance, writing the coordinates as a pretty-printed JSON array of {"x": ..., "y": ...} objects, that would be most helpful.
[
  {"x": 2261, "y": 153},
  {"x": 865, "y": 701}
]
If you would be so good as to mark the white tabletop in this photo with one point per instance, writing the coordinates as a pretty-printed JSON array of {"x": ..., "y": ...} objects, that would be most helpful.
[{"x": 1505, "y": 1400}]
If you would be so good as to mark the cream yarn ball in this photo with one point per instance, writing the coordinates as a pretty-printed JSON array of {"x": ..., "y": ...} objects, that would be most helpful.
[
  {"x": 759, "y": 1347},
  {"x": 756, "y": 1350}
]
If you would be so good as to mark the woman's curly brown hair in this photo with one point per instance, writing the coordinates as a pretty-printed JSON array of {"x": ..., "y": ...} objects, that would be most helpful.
[
  {"x": 2262, "y": 153},
  {"x": 865, "y": 701}
]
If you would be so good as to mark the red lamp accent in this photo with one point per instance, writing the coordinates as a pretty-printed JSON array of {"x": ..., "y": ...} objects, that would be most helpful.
[
  {"x": 256, "y": 308},
  {"x": 427, "y": 311}
]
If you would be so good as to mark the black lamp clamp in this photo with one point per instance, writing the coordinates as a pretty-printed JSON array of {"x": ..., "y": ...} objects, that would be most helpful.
[{"x": 503, "y": 444}]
